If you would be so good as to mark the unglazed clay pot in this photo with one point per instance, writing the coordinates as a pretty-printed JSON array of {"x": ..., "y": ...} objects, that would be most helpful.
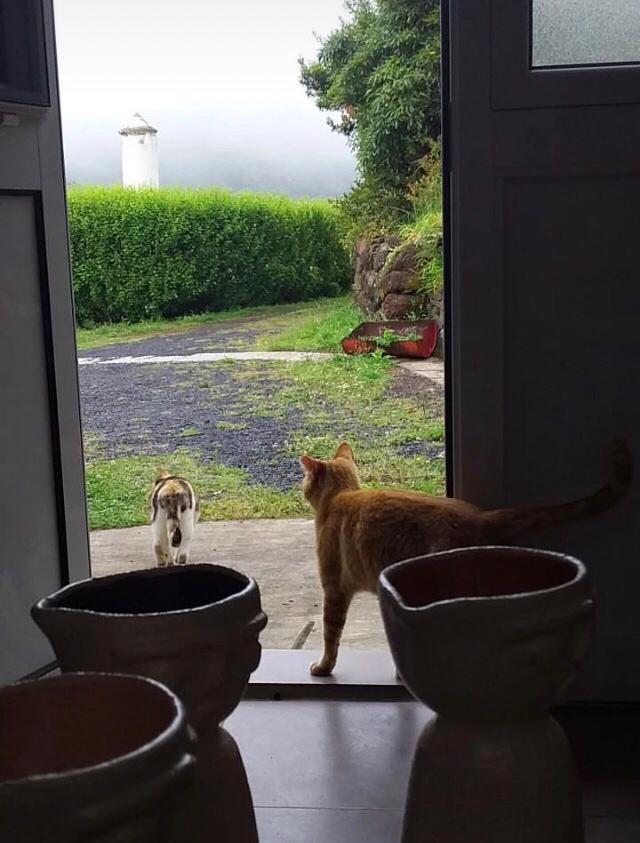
[
  {"x": 194, "y": 628},
  {"x": 93, "y": 757},
  {"x": 490, "y": 638}
]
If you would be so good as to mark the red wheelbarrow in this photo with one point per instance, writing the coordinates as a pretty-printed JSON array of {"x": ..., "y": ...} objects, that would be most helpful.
[{"x": 399, "y": 338}]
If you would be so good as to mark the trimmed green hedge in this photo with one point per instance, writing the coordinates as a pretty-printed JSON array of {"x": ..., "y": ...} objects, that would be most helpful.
[{"x": 164, "y": 253}]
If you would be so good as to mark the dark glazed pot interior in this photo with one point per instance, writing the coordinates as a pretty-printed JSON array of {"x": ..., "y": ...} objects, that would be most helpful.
[
  {"x": 478, "y": 572},
  {"x": 150, "y": 592},
  {"x": 75, "y": 722}
]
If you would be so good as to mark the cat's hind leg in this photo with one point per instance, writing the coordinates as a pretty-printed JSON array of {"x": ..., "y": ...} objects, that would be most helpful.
[
  {"x": 334, "y": 614},
  {"x": 187, "y": 526},
  {"x": 160, "y": 539}
]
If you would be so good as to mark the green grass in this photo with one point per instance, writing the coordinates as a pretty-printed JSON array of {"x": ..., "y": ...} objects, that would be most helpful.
[
  {"x": 121, "y": 332},
  {"x": 344, "y": 381},
  {"x": 227, "y": 425},
  {"x": 118, "y": 491},
  {"x": 341, "y": 398},
  {"x": 379, "y": 464},
  {"x": 358, "y": 387},
  {"x": 321, "y": 330}
]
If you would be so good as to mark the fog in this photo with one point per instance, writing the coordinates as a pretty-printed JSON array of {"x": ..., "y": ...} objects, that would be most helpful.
[{"x": 219, "y": 80}]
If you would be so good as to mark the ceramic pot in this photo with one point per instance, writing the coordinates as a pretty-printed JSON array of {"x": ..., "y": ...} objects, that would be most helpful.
[
  {"x": 194, "y": 628},
  {"x": 490, "y": 638},
  {"x": 92, "y": 757}
]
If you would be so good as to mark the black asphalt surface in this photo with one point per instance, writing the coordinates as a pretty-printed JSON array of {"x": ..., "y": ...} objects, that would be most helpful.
[{"x": 215, "y": 337}]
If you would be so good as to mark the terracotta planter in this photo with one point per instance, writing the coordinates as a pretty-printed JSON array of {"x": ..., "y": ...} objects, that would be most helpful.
[
  {"x": 490, "y": 638},
  {"x": 195, "y": 628},
  {"x": 362, "y": 340},
  {"x": 92, "y": 757}
]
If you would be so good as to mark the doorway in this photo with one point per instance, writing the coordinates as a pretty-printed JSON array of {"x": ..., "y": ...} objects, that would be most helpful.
[{"x": 236, "y": 426}]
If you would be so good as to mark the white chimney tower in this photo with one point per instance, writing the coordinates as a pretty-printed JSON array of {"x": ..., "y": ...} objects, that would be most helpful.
[{"x": 140, "y": 154}]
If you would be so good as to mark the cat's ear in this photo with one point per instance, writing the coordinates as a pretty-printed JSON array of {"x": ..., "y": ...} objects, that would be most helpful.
[
  {"x": 309, "y": 464},
  {"x": 344, "y": 452}
]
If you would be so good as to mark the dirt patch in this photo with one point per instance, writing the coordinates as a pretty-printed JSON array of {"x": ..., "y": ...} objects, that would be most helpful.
[{"x": 406, "y": 385}]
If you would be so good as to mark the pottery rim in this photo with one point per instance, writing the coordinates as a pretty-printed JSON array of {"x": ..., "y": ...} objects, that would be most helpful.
[
  {"x": 177, "y": 724},
  {"x": 384, "y": 584},
  {"x": 52, "y": 601}
]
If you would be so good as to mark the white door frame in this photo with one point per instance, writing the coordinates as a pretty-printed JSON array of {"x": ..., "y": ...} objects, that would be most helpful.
[{"x": 32, "y": 175}]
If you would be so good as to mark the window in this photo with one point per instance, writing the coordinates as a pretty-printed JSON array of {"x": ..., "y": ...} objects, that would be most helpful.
[
  {"x": 584, "y": 32},
  {"x": 23, "y": 74}
]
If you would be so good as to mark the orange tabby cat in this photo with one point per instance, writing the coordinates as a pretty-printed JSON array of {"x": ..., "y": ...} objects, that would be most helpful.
[{"x": 361, "y": 531}]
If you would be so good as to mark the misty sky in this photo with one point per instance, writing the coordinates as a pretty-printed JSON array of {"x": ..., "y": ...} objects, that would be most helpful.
[{"x": 217, "y": 78}]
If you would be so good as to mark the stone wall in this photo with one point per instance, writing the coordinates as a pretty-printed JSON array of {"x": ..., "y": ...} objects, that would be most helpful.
[{"x": 386, "y": 281}]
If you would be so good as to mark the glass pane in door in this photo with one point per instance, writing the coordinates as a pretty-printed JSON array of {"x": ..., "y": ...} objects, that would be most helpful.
[{"x": 583, "y": 32}]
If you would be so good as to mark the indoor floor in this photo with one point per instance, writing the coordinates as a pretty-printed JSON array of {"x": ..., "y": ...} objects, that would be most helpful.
[{"x": 337, "y": 772}]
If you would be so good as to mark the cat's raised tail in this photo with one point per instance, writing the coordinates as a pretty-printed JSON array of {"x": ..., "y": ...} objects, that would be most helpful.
[{"x": 508, "y": 523}]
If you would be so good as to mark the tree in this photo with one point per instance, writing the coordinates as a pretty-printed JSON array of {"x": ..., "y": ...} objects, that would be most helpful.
[{"x": 381, "y": 71}]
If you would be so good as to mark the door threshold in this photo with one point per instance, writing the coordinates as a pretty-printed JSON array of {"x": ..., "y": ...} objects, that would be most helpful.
[{"x": 359, "y": 675}]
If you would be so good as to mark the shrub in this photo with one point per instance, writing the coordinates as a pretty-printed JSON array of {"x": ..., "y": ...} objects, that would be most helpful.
[
  {"x": 164, "y": 253},
  {"x": 380, "y": 71},
  {"x": 426, "y": 232}
]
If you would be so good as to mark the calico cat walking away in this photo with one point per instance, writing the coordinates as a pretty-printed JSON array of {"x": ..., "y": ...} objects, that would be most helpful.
[
  {"x": 360, "y": 531},
  {"x": 174, "y": 513}
]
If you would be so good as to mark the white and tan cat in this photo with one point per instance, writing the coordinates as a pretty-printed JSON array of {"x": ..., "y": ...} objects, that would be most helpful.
[
  {"x": 175, "y": 512},
  {"x": 361, "y": 531}
]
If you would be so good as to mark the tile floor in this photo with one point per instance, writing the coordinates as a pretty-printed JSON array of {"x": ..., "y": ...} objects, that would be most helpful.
[{"x": 336, "y": 772}]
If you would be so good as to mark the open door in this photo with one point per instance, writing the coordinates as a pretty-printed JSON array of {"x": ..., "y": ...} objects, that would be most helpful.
[
  {"x": 544, "y": 291},
  {"x": 43, "y": 525}
]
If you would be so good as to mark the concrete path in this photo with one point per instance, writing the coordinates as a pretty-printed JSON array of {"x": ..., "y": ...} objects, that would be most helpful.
[
  {"x": 280, "y": 554},
  {"x": 433, "y": 368},
  {"x": 208, "y": 357}
]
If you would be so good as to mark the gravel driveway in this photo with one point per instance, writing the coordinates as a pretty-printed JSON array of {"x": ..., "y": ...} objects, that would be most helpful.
[
  {"x": 232, "y": 334},
  {"x": 223, "y": 412}
]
